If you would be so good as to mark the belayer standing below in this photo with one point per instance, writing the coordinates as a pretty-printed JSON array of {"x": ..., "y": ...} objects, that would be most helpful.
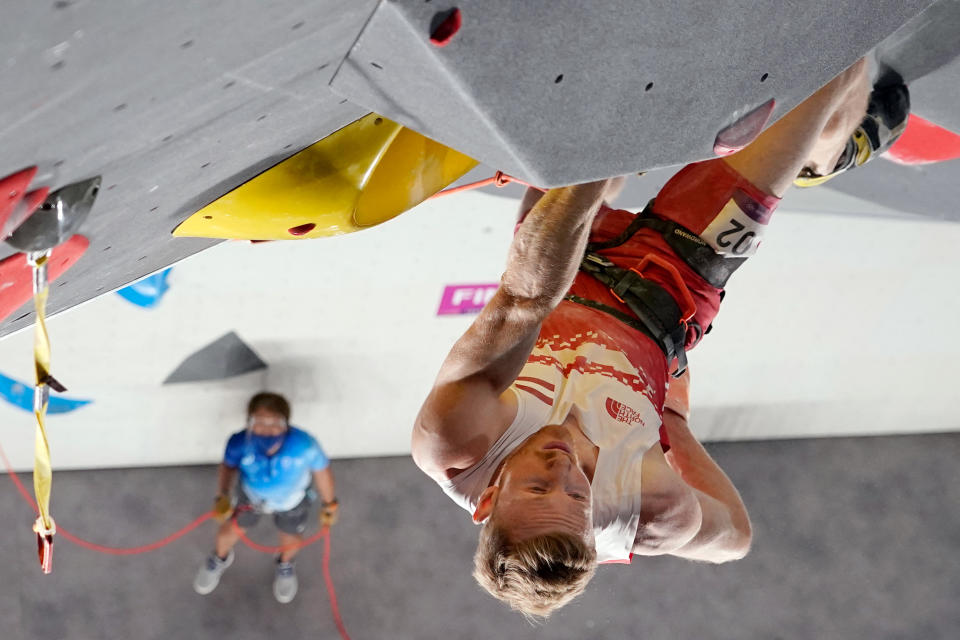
[{"x": 277, "y": 465}]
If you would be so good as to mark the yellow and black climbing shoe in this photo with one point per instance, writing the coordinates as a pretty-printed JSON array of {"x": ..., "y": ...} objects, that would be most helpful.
[{"x": 884, "y": 123}]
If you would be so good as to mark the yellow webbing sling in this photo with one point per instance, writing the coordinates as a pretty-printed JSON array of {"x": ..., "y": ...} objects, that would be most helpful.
[{"x": 42, "y": 472}]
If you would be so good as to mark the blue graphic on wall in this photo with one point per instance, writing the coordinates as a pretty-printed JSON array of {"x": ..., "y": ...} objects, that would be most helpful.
[
  {"x": 146, "y": 293},
  {"x": 20, "y": 395}
]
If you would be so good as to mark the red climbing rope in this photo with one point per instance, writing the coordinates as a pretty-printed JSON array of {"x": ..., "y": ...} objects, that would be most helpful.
[
  {"x": 92, "y": 546},
  {"x": 324, "y": 534},
  {"x": 133, "y": 551},
  {"x": 280, "y": 549},
  {"x": 499, "y": 179},
  {"x": 334, "y": 607}
]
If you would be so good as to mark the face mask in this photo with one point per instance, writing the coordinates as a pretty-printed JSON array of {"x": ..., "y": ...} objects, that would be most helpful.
[{"x": 264, "y": 444}]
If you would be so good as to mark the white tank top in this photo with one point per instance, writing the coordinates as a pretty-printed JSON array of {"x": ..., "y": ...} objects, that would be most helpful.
[{"x": 615, "y": 391}]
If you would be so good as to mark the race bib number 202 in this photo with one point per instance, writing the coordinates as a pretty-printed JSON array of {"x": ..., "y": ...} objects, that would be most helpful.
[{"x": 738, "y": 228}]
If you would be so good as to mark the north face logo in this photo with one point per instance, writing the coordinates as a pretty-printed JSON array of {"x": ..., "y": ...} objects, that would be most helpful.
[{"x": 622, "y": 413}]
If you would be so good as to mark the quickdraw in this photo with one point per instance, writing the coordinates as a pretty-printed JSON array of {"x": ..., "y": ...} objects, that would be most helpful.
[
  {"x": 45, "y": 527},
  {"x": 38, "y": 231}
]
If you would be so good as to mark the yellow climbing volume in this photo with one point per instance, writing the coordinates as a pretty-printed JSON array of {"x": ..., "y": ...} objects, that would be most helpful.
[{"x": 359, "y": 176}]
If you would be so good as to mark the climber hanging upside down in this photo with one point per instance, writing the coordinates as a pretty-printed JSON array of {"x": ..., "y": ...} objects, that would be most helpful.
[{"x": 552, "y": 421}]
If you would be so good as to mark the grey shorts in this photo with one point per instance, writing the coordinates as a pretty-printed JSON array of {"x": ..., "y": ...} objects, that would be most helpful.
[{"x": 293, "y": 521}]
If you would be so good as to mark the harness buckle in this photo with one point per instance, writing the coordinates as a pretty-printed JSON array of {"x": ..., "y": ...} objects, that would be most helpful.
[{"x": 596, "y": 259}]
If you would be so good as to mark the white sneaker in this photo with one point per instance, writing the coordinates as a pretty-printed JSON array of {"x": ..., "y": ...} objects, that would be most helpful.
[
  {"x": 208, "y": 576},
  {"x": 285, "y": 582}
]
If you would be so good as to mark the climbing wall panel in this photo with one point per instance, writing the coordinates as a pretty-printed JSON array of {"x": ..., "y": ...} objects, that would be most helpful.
[{"x": 567, "y": 91}]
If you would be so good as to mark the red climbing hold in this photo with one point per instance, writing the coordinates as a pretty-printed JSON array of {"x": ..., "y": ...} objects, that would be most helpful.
[
  {"x": 923, "y": 143},
  {"x": 743, "y": 131},
  {"x": 443, "y": 33},
  {"x": 16, "y": 276},
  {"x": 12, "y": 189}
]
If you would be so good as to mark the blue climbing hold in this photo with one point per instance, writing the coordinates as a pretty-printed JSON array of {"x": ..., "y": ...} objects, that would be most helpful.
[
  {"x": 146, "y": 293},
  {"x": 20, "y": 395}
]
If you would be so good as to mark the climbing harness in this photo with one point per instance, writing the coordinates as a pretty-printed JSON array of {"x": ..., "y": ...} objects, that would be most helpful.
[
  {"x": 688, "y": 246},
  {"x": 654, "y": 311}
]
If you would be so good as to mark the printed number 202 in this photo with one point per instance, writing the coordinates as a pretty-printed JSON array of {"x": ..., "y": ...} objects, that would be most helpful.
[{"x": 741, "y": 243}]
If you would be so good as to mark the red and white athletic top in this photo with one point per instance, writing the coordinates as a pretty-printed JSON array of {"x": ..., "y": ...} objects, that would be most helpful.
[{"x": 613, "y": 379}]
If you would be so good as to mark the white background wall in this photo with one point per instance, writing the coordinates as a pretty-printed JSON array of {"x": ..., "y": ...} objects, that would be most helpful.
[{"x": 842, "y": 324}]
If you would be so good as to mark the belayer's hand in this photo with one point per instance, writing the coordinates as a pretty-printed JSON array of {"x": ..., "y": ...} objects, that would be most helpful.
[
  {"x": 329, "y": 513},
  {"x": 222, "y": 508}
]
